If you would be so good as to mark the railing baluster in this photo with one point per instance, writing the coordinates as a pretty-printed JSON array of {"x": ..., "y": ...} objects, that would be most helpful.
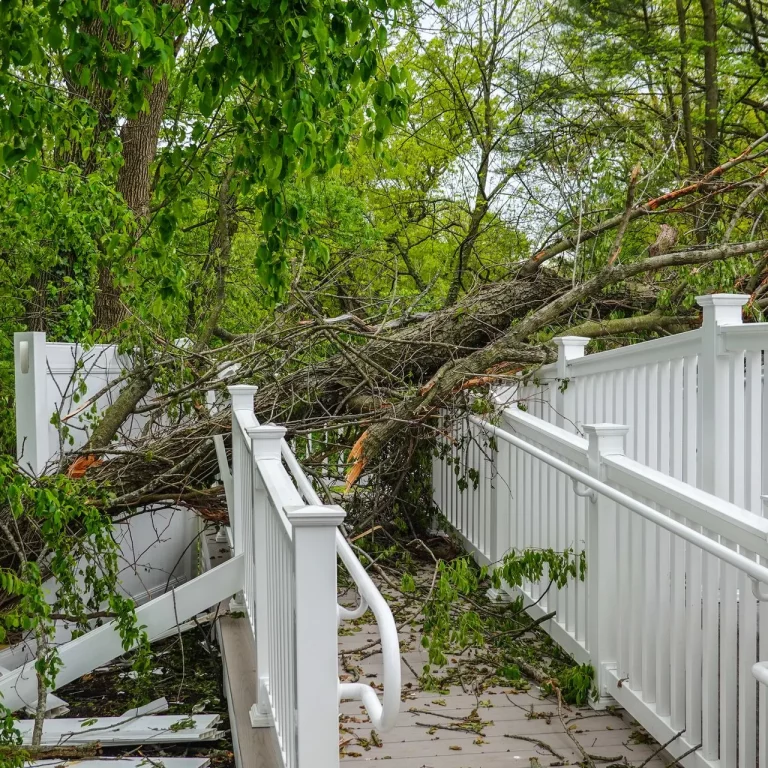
[
  {"x": 747, "y": 637},
  {"x": 570, "y": 513},
  {"x": 638, "y": 601},
  {"x": 762, "y": 737},
  {"x": 753, "y": 438},
  {"x": 664, "y": 620},
  {"x": 625, "y": 594},
  {"x": 728, "y": 658},
  {"x": 651, "y": 577},
  {"x": 562, "y": 544},
  {"x": 690, "y": 422},
  {"x": 536, "y": 519},
  {"x": 710, "y": 724},
  {"x": 693, "y": 643},
  {"x": 677, "y": 633}
]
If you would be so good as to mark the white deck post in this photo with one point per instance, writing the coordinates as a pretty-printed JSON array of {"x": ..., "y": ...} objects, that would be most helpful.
[
  {"x": 499, "y": 501},
  {"x": 32, "y": 416},
  {"x": 242, "y": 400},
  {"x": 568, "y": 348},
  {"x": 604, "y": 440},
  {"x": 317, "y": 674},
  {"x": 719, "y": 309},
  {"x": 714, "y": 475},
  {"x": 265, "y": 444}
]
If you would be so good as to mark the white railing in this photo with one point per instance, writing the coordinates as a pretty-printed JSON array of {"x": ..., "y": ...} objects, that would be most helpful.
[
  {"x": 669, "y": 615},
  {"x": 290, "y": 542},
  {"x": 694, "y": 402}
]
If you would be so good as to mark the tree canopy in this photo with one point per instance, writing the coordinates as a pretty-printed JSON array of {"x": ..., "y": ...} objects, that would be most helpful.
[{"x": 373, "y": 207}]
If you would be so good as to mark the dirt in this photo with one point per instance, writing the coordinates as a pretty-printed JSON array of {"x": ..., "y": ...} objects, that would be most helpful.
[{"x": 186, "y": 670}]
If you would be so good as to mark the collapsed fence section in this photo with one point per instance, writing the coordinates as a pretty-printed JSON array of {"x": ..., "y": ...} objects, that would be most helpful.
[{"x": 669, "y": 615}]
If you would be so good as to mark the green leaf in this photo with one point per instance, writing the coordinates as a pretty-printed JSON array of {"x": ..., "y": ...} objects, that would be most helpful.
[
  {"x": 32, "y": 171},
  {"x": 299, "y": 132}
]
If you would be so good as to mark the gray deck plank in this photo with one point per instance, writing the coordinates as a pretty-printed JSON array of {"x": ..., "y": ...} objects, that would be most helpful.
[
  {"x": 507, "y": 712},
  {"x": 253, "y": 747}
]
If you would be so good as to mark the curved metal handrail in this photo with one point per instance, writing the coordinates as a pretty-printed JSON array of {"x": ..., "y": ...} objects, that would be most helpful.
[
  {"x": 760, "y": 672},
  {"x": 383, "y": 713}
]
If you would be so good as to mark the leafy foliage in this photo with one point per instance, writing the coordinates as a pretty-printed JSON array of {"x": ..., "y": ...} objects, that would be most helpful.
[
  {"x": 76, "y": 555},
  {"x": 445, "y": 627}
]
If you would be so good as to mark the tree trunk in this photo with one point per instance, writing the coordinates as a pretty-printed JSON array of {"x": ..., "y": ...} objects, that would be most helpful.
[
  {"x": 139, "y": 136},
  {"x": 685, "y": 95},
  {"x": 711, "y": 127}
]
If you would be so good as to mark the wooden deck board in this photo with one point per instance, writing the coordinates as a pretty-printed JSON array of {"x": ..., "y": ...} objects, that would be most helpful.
[{"x": 253, "y": 747}]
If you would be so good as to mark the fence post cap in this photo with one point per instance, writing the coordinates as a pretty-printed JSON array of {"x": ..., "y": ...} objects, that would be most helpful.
[
  {"x": 265, "y": 441},
  {"x": 570, "y": 347},
  {"x": 242, "y": 389},
  {"x": 606, "y": 438},
  {"x": 722, "y": 300},
  {"x": 606, "y": 429},
  {"x": 571, "y": 341},
  {"x": 316, "y": 515},
  {"x": 266, "y": 432},
  {"x": 242, "y": 396}
]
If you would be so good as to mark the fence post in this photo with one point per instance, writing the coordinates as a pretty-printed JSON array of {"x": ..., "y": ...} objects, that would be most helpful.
[
  {"x": 718, "y": 309},
  {"x": 317, "y": 673},
  {"x": 500, "y": 508},
  {"x": 604, "y": 440},
  {"x": 241, "y": 396},
  {"x": 32, "y": 416},
  {"x": 568, "y": 348},
  {"x": 265, "y": 444},
  {"x": 242, "y": 400}
]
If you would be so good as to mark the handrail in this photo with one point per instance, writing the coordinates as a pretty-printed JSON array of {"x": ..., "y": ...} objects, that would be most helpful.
[
  {"x": 382, "y": 714},
  {"x": 756, "y": 572}
]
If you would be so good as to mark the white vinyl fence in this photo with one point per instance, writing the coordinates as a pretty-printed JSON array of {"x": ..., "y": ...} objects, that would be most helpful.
[
  {"x": 290, "y": 542},
  {"x": 670, "y": 614},
  {"x": 694, "y": 402}
]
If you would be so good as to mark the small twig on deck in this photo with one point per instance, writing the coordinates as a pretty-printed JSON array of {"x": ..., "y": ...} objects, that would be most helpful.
[
  {"x": 408, "y": 664},
  {"x": 457, "y": 728},
  {"x": 683, "y": 756},
  {"x": 460, "y": 718},
  {"x": 538, "y": 742},
  {"x": 588, "y": 760},
  {"x": 662, "y": 748}
]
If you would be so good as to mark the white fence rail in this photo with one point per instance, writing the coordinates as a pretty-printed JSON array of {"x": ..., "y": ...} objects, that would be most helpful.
[
  {"x": 673, "y": 614},
  {"x": 290, "y": 542}
]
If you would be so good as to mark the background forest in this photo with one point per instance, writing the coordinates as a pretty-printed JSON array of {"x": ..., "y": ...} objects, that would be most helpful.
[{"x": 372, "y": 206}]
